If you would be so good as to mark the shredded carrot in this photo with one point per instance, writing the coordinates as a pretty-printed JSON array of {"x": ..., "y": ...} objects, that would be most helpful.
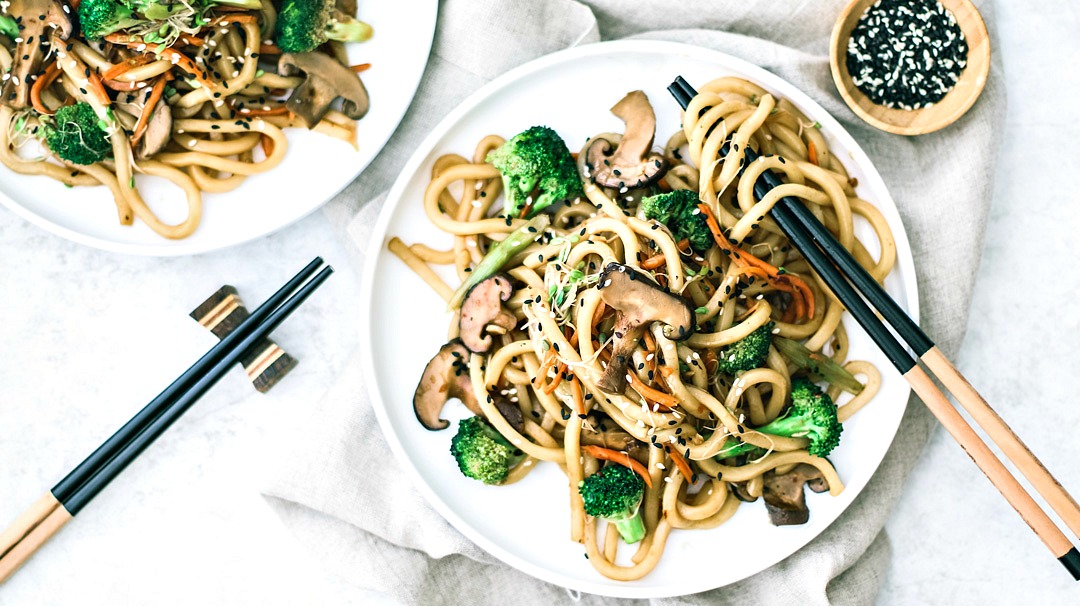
[
  {"x": 572, "y": 337},
  {"x": 560, "y": 372},
  {"x": 190, "y": 40},
  {"x": 267, "y": 145},
  {"x": 789, "y": 315},
  {"x": 802, "y": 296},
  {"x": 185, "y": 63},
  {"x": 177, "y": 58},
  {"x": 233, "y": 18},
  {"x": 659, "y": 260},
  {"x": 579, "y": 400},
  {"x": 121, "y": 86},
  {"x": 597, "y": 316},
  {"x": 811, "y": 151},
  {"x": 663, "y": 185},
  {"x": 650, "y": 348},
  {"x": 44, "y": 81},
  {"x": 148, "y": 110},
  {"x": 99, "y": 89},
  {"x": 681, "y": 463},
  {"x": 746, "y": 314},
  {"x": 653, "y": 395},
  {"x": 361, "y": 67},
  {"x": 269, "y": 49},
  {"x": 125, "y": 66},
  {"x": 541, "y": 373},
  {"x": 620, "y": 457},
  {"x": 74, "y": 4},
  {"x": 654, "y": 262},
  {"x": 711, "y": 361}
]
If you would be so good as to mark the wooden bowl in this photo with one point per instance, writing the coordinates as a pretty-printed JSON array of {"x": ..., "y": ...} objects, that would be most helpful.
[{"x": 927, "y": 119}]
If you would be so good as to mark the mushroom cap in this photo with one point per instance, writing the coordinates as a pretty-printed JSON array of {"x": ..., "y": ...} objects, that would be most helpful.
[
  {"x": 739, "y": 490},
  {"x": 510, "y": 411},
  {"x": 637, "y": 301},
  {"x": 446, "y": 376},
  {"x": 632, "y": 163},
  {"x": 158, "y": 130},
  {"x": 482, "y": 311},
  {"x": 784, "y": 495},
  {"x": 325, "y": 79}
]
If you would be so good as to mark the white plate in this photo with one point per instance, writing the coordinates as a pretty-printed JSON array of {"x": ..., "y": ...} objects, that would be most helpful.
[
  {"x": 315, "y": 168},
  {"x": 526, "y": 524}
]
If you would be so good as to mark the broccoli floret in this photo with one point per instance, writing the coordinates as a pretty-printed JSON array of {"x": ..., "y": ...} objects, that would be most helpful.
[
  {"x": 9, "y": 27},
  {"x": 76, "y": 135},
  {"x": 304, "y": 25},
  {"x": 679, "y": 212},
  {"x": 747, "y": 353},
  {"x": 482, "y": 453},
  {"x": 537, "y": 171},
  {"x": 614, "y": 494},
  {"x": 99, "y": 18},
  {"x": 812, "y": 415}
]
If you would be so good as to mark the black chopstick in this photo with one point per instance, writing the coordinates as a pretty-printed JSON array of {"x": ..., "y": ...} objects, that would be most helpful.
[
  {"x": 57, "y": 507},
  {"x": 807, "y": 234},
  {"x": 84, "y": 471},
  {"x": 184, "y": 401},
  {"x": 908, "y": 330}
]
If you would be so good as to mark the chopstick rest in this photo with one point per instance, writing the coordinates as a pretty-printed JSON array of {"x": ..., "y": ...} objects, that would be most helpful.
[{"x": 267, "y": 363}]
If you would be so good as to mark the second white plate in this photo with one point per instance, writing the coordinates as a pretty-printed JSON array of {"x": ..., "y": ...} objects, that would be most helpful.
[{"x": 315, "y": 168}]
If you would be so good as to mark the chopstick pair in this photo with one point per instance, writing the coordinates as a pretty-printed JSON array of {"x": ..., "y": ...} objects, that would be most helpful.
[
  {"x": 840, "y": 271},
  {"x": 44, "y": 518}
]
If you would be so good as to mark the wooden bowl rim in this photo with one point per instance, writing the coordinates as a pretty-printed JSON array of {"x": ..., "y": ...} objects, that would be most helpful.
[{"x": 974, "y": 24}]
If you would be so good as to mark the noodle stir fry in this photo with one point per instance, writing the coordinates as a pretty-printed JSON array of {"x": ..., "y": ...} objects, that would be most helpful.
[
  {"x": 634, "y": 316},
  {"x": 194, "y": 91}
]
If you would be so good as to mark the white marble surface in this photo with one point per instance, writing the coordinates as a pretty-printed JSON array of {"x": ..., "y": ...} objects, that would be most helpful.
[{"x": 87, "y": 337}]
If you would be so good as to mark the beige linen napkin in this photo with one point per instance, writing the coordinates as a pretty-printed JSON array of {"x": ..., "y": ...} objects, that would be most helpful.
[{"x": 339, "y": 488}]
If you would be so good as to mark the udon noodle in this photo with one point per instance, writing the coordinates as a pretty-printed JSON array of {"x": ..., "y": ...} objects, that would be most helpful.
[{"x": 678, "y": 414}]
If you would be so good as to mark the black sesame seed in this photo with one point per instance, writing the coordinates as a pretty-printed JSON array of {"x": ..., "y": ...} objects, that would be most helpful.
[{"x": 906, "y": 54}]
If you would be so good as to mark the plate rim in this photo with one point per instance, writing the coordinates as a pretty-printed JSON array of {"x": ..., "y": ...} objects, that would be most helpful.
[
  {"x": 394, "y": 198},
  {"x": 428, "y": 21}
]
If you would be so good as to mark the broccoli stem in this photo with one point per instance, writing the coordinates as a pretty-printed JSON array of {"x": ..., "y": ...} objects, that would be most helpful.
[
  {"x": 8, "y": 26},
  {"x": 739, "y": 449},
  {"x": 347, "y": 29},
  {"x": 517, "y": 241},
  {"x": 818, "y": 364},
  {"x": 631, "y": 529},
  {"x": 786, "y": 426}
]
